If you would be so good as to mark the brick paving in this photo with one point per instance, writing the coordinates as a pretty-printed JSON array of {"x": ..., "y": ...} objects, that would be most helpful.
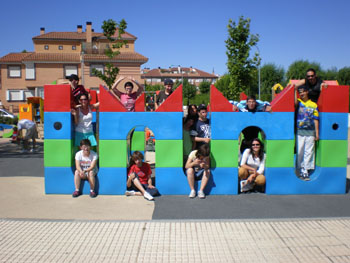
[{"x": 319, "y": 240}]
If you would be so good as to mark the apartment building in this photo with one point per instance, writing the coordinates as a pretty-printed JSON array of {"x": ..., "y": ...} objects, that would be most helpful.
[
  {"x": 193, "y": 75},
  {"x": 57, "y": 55}
]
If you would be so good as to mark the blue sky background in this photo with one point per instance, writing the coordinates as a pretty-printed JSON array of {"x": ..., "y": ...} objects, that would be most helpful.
[{"x": 193, "y": 33}]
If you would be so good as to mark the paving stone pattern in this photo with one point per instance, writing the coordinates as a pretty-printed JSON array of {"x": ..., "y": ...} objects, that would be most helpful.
[{"x": 323, "y": 240}]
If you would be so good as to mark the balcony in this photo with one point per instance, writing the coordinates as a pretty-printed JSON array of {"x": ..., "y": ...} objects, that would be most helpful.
[{"x": 94, "y": 48}]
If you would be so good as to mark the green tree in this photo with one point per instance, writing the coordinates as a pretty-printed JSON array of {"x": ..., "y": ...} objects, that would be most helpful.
[
  {"x": 270, "y": 75},
  {"x": 154, "y": 87},
  {"x": 189, "y": 91},
  {"x": 223, "y": 83},
  {"x": 204, "y": 87},
  {"x": 239, "y": 63},
  {"x": 109, "y": 28},
  {"x": 344, "y": 76},
  {"x": 330, "y": 74},
  {"x": 297, "y": 70}
]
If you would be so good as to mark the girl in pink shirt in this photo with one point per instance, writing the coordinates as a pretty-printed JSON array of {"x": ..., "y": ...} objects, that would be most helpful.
[{"x": 128, "y": 98}]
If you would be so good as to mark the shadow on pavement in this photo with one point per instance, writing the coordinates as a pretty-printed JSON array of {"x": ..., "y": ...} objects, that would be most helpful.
[
  {"x": 15, "y": 163},
  {"x": 11, "y": 150},
  {"x": 251, "y": 206}
]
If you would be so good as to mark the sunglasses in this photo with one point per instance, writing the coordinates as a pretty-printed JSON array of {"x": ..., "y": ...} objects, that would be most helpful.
[
  {"x": 255, "y": 144},
  {"x": 310, "y": 76},
  {"x": 83, "y": 99}
]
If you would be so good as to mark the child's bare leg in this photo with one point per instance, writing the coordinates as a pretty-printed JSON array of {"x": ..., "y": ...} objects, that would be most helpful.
[
  {"x": 138, "y": 185},
  {"x": 77, "y": 180},
  {"x": 205, "y": 179},
  {"x": 190, "y": 178},
  {"x": 91, "y": 179}
]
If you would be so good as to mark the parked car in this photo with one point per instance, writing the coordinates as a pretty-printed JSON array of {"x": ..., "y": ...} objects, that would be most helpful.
[{"x": 4, "y": 113}]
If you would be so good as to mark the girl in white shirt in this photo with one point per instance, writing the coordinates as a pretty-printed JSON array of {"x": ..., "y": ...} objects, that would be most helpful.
[
  {"x": 83, "y": 120},
  {"x": 252, "y": 166}
]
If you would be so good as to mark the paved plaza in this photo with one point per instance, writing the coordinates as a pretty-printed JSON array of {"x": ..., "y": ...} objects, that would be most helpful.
[{"x": 35, "y": 227}]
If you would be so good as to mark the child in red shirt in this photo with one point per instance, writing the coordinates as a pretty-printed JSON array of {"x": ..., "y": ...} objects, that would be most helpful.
[{"x": 139, "y": 178}]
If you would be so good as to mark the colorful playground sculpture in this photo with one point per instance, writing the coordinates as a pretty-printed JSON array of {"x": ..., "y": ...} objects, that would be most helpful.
[{"x": 115, "y": 123}]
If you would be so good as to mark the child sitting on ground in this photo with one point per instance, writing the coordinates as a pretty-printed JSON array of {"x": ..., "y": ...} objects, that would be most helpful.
[
  {"x": 139, "y": 178},
  {"x": 86, "y": 168}
]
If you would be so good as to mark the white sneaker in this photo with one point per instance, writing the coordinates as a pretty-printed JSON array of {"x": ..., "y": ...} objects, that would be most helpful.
[
  {"x": 201, "y": 194},
  {"x": 130, "y": 193},
  {"x": 192, "y": 194},
  {"x": 148, "y": 196},
  {"x": 245, "y": 186}
]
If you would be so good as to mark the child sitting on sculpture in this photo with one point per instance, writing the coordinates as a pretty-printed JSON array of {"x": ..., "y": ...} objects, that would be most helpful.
[
  {"x": 198, "y": 168},
  {"x": 139, "y": 178},
  {"x": 252, "y": 166},
  {"x": 86, "y": 168}
]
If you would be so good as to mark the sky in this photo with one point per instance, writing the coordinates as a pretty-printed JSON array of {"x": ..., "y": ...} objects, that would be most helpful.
[{"x": 193, "y": 33}]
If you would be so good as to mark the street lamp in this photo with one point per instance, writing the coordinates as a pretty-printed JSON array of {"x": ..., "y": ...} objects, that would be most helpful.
[{"x": 259, "y": 60}]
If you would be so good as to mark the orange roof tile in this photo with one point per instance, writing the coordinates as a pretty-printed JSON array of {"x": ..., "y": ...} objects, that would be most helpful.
[
  {"x": 53, "y": 57},
  {"x": 76, "y": 36},
  {"x": 15, "y": 57},
  {"x": 124, "y": 56}
]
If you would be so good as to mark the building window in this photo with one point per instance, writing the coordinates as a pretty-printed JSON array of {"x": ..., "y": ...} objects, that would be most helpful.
[
  {"x": 14, "y": 71},
  {"x": 69, "y": 70},
  {"x": 39, "y": 92},
  {"x": 14, "y": 95},
  {"x": 99, "y": 67},
  {"x": 46, "y": 47},
  {"x": 126, "y": 45},
  {"x": 30, "y": 71},
  {"x": 28, "y": 94},
  {"x": 60, "y": 47},
  {"x": 74, "y": 47}
]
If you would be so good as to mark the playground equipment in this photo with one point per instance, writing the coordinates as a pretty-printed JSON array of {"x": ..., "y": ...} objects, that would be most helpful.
[
  {"x": 33, "y": 110},
  {"x": 166, "y": 124}
]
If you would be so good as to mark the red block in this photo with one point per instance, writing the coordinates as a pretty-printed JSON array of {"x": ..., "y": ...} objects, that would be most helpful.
[
  {"x": 57, "y": 98},
  {"x": 109, "y": 103},
  {"x": 140, "y": 103},
  {"x": 284, "y": 101},
  {"x": 243, "y": 96},
  {"x": 218, "y": 102},
  {"x": 173, "y": 103},
  {"x": 334, "y": 99}
]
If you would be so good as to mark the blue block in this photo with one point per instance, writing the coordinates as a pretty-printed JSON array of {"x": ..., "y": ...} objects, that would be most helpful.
[
  {"x": 224, "y": 181},
  {"x": 333, "y": 126},
  {"x": 63, "y": 123},
  {"x": 164, "y": 125},
  {"x": 59, "y": 180},
  {"x": 275, "y": 125},
  {"x": 171, "y": 181},
  {"x": 283, "y": 181},
  {"x": 109, "y": 181},
  {"x": 112, "y": 181}
]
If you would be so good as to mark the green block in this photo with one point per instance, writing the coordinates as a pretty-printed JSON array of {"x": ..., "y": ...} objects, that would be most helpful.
[
  {"x": 332, "y": 153},
  {"x": 113, "y": 153},
  {"x": 169, "y": 153},
  {"x": 279, "y": 153},
  {"x": 58, "y": 153},
  {"x": 224, "y": 153},
  {"x": 138, "y": 141}
]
